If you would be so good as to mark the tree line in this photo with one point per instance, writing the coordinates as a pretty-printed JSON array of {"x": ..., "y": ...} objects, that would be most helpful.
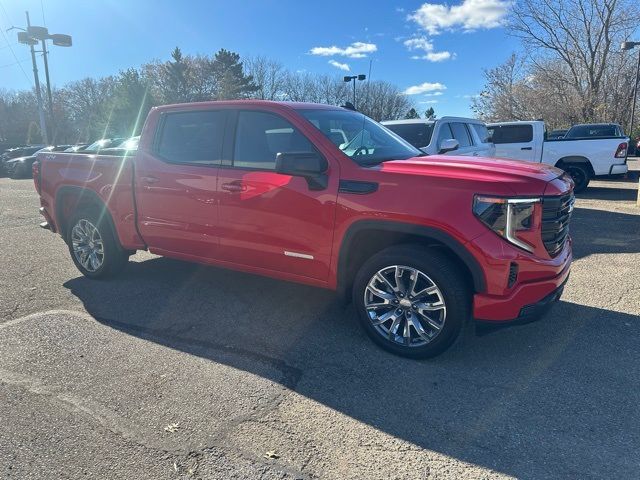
[
  {"x": 572, "y": 70},
  {"x": 117, "y": 105}
]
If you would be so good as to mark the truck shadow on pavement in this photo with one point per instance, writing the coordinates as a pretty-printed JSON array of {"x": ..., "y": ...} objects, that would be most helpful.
[
  {"x": 604, "y": 231},
  {"x": 610, "y": 194},
  {"x": 555, "y": 398}
]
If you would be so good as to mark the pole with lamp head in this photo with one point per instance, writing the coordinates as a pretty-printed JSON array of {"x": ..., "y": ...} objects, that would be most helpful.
[
  {"x": 631, "y": 46},
  {"x": 353, "y": 78}
]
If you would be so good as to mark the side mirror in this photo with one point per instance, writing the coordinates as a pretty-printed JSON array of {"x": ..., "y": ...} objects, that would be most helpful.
[
  {"x": 448, "y": 145},
  {"x": 309, "y": 165}
]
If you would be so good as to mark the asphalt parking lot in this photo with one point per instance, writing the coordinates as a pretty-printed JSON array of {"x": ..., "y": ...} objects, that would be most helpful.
[{"x": 174, "y": 370}]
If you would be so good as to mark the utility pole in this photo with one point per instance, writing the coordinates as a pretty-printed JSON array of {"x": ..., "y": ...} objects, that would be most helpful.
[
  {"x": 49, "y": 97},
  {"x": 43, "y": 123},
  {"x": 631, "y": 46}
]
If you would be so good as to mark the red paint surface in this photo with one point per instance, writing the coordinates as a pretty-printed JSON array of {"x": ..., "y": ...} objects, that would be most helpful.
[{"x": 246, "y": 219}]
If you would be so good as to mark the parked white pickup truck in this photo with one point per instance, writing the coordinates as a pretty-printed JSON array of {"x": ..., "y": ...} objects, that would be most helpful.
[{"x": 582, "y": 158}]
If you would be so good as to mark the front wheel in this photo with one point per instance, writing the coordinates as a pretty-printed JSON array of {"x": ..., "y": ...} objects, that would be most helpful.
[
  {"x": 411, "y": 301},
  {"x": 93, "y": 245},
  {"x": 580, "y": 176}
]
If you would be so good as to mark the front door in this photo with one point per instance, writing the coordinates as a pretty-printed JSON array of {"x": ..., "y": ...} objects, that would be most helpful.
[
  {"x": 268, "y": 220},
  {"x": 176, "y": 190}
]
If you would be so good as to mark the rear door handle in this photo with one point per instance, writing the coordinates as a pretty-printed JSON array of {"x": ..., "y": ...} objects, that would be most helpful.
[
  {"x": 149, "y": 179},
  {"x": 233, "y": 187},
  {"x": 525, "y": 148}
]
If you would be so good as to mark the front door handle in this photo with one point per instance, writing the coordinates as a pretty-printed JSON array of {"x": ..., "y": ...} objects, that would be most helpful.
[
  {"x": 149, "y": 179},
  {"x": 233, "y": 187},
  {"x": 525, "y": 148}
]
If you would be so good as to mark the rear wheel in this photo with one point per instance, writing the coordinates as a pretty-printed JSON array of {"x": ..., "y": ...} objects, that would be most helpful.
[
  {"x": 411, "y": 301},
  {"x": 580, "y": 175},
  {"x": 93, "y": 245}
]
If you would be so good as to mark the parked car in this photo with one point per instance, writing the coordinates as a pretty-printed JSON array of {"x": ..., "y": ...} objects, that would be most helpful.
[
  {"x": 582, "y": 158},
  {"x": 556, "y": 134},
  {"x": 15, "y": 153},
  {"x": 20, "y": 167},
  {"x": 101, "y": 144},
  {"x": 77, "y": 148},
  {"x": 446, "y": 135},
  {"x": 419, "y": 244},
  {"x": 128, "y": 147}
]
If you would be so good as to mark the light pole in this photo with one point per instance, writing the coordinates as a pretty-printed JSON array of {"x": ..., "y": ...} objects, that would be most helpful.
[
  {"x": 353, "y": 78},
  {"x": 31, "y": 36},
  {"x": 631, "y": 46}
]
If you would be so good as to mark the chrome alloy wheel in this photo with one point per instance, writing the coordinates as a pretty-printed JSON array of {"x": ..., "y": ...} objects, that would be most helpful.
[
  {"x": 405, "y": 306},
  {"x": 87, "y": 246}
]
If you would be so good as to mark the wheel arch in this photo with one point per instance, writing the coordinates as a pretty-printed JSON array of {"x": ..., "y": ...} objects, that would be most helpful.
[
  {"x": 70, "y": 199},
  {"x": 365, "y": 238},
  {"x": 576, "y": 159}
]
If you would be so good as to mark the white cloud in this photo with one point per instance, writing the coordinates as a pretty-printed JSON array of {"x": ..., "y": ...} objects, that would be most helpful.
[
  {"x": 424, "y": 44},
  {"x": 425, "y": 87},
  {"x": 429, "y": 102},
  {"x": 469, "y": 15},
  {"x": 434, "y": 94},
  {"x": 355, "y": 50},
  {"x": 341, "y": 66}
]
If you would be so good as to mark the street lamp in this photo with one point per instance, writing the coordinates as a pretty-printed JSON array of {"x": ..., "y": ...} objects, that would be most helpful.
[
  {"x": 353, "y": 78},
  {"x": 31, "y": 36},
  {"x": 631, "y": 46}
]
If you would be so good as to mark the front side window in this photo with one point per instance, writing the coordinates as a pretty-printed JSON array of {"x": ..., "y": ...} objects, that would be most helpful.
[
  {"x": 192, "y": 137},
  {"x": 362, "y": 139},
  {"x": 461, "y": 134},
  {"x": 260, "y": 136},
  {"x": 444, "y": 134}
]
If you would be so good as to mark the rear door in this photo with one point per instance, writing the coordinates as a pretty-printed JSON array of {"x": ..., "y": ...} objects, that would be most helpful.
[
  {"x": 515, "y": 141},
  {"x": 269, "y": 221},
  {"x": 176, "y": 193}
]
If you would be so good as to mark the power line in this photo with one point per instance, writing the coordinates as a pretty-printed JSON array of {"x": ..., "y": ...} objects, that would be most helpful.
[
  {"x": 15, "y": 57},
  {"x": 14, "y": 63}
]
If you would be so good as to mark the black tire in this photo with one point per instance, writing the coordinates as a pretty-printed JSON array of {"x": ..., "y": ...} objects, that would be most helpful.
[
  {"x": 442, "y": 272},
  {"x": 580, "y": 174},
  {"x": 114, "y": 258},
  {"x": 19, "y": 171}
]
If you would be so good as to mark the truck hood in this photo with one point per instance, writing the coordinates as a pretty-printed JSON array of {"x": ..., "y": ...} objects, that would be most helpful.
[{"x": 523, "y": 178}]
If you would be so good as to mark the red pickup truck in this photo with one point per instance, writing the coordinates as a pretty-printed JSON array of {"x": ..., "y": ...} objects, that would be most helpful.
[{"x": 324, "y": 196}]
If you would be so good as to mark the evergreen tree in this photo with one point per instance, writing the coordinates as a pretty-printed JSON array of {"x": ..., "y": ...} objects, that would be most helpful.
[
  {"x": 430, "y": 113},
  {"x": 412, "y": 113},
  {"x": 232, "y": 83},
  {"x": 176, "y": 89}
]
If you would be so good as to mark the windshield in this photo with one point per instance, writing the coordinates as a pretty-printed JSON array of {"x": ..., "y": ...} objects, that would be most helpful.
[
  {"x": 357, "y": 136},
  {"x": 130, "y": 144}
]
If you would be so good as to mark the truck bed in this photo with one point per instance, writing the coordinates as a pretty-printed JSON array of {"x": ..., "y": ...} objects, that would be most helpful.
[{"x": 67, "y": 178}]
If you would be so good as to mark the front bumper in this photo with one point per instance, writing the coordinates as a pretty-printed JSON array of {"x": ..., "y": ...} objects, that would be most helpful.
[{"x": 527, "y": 301}]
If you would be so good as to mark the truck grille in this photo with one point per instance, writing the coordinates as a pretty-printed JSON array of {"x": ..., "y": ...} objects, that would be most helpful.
[{"x": 556, "y": 213}]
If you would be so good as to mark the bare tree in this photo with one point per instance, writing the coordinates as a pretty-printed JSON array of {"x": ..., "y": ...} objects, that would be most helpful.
[
  {"x": 269, "y": 75},
  {"x": 579, "y": 34}
]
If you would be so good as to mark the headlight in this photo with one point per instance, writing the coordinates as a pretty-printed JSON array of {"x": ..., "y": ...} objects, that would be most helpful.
[{"x": 508, "y": 217}]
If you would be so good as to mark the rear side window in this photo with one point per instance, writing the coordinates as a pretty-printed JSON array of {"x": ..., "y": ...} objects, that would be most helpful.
[
  {"x": 260, "y": 136},
  {"x": 192, "y": 137},
  {"x": 417, "y": 134},
  {"x": 461, "y": 134},
  {"x": 481, "y": 131},
  {"x": 511, "y": 133}
]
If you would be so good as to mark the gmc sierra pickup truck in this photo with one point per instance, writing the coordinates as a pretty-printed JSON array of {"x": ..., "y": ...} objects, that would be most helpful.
[{"x": 324, "y": 196}]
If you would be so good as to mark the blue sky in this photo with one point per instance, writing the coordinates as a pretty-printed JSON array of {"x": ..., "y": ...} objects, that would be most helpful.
[{"x": 433, "y": 51}]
